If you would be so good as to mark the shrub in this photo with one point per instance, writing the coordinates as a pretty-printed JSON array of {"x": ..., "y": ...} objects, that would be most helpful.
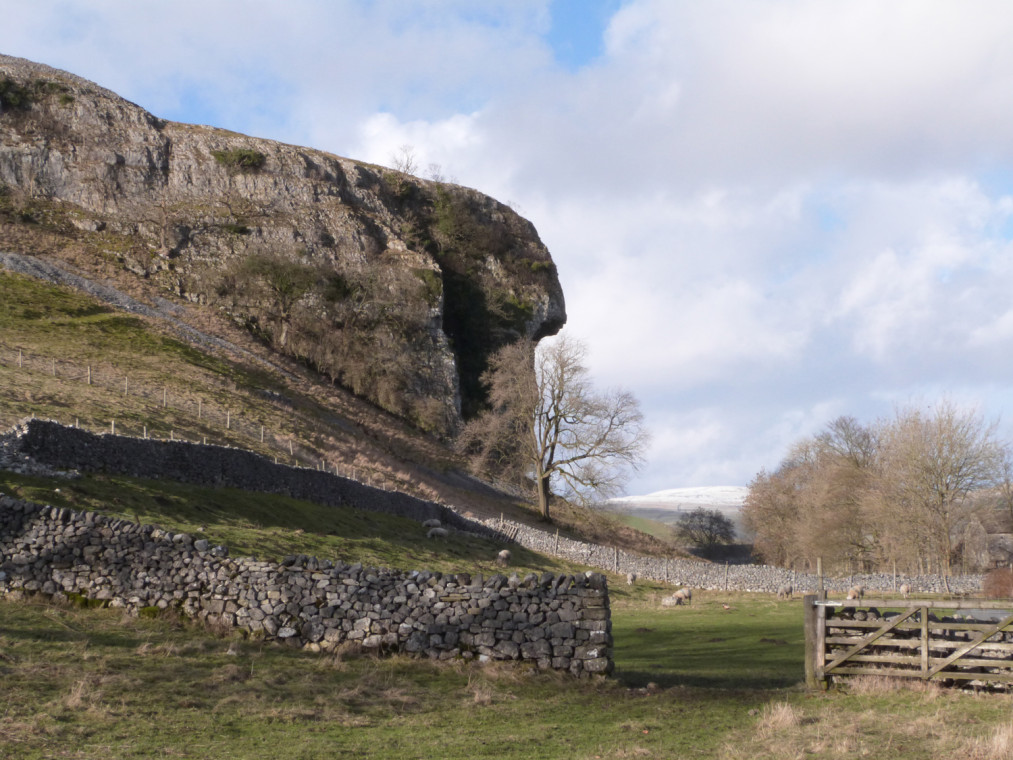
[
  {"x": 14, "y": 96},
  {"x": 240, "y": 159}
]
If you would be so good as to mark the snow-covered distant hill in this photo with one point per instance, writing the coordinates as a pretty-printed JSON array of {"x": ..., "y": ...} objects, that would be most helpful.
[{"x": 667, "y": 506}]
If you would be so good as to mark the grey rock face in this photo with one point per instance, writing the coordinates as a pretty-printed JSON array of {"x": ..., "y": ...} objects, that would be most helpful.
[{"x": 190, "y": 202}]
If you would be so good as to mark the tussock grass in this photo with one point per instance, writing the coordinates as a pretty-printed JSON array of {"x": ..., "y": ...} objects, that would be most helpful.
[{"x": 92, "y": 684}]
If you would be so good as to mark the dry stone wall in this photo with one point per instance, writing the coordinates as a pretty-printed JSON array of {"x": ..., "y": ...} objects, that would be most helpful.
[
  {"x": 561, "y": 622},
  {"x": 52, "y": 445}
]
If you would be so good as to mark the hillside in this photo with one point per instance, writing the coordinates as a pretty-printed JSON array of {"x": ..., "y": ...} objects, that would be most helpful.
[{"x": 392, "y": 287}]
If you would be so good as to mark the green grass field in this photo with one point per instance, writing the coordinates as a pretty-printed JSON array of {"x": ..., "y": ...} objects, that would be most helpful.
[{"x": 717, "y": 679}]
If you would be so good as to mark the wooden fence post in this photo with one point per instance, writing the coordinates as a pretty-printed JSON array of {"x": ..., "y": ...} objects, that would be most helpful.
[
  {"x": 20, "y": 360},
  {"x": 228, "y": 419},
  {"x": 813, "y": 676}
]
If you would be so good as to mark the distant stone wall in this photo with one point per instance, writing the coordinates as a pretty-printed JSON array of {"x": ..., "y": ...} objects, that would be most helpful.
[
  {"x": 68, "y": 448},
  {"x": 715, "y": 576},
  {"x": 561, "y": 622},
  {"x": 64, "y": 448}
]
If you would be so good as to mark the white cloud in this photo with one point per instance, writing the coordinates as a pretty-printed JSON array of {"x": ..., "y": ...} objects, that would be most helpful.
[{"x": 762, "y": 213}]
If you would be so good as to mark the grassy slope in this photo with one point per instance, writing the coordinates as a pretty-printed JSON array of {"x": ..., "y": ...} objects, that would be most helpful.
[{"x": 54, "y": 322}]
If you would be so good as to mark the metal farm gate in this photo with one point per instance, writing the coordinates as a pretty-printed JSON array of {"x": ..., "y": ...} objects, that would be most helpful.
[{"x": 950, "y": 641}]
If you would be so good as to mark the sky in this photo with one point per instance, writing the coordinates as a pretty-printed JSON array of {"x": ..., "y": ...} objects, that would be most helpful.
[{"x": 764, "y": 215}]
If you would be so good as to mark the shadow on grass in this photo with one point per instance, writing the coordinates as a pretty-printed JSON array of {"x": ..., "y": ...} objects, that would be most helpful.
[{"x": 706, "y": 647}]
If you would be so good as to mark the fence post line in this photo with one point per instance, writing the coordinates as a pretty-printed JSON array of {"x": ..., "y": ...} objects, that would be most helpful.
[
  {"x": 165, "y": 397},
  {"x": 228, "y": 419},
  {"x": 261, "y": 433},
  {"x": 145, "y": 432},
  {"x": 555, "y": 549},
  {"x": 126, "y": 385},
  {"x": 199, "y": 404},
  {"x": 20, "y": 360},
  {"x": 291, "y": 450},
  {"x": 113, "y": 428},
  {"x": 89, "y": 374},
  {"x": 615, "y": 559}
]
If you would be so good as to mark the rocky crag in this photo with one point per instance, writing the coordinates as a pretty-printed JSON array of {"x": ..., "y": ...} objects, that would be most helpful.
[{"x": 395, "y": 287}]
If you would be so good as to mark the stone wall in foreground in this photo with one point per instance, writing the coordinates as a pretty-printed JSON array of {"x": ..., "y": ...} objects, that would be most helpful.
[{"x": 561, "y": 622}]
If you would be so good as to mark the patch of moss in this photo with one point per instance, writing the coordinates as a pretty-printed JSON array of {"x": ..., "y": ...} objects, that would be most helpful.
[{"x": 240, "y": 159}]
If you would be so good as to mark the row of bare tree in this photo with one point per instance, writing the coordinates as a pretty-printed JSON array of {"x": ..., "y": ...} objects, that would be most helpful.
[{"x": 914, "y": 493}]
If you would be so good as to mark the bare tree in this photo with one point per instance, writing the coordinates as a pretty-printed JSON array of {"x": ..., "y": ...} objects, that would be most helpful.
[
  {"x": 706, "y": 529},
  {"x": 809, "y": 507},
  {"x": 404, "y": 160},
  {"x": 549, "y": 427},
  {"x": 931, "y": 465}
]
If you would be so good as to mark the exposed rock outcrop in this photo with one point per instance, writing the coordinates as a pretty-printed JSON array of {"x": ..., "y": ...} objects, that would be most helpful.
[{"x": 395, "y": 287}]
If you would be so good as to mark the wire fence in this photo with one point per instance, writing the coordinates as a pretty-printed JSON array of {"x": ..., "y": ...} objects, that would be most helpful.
[{"x": 168, "y": 412}]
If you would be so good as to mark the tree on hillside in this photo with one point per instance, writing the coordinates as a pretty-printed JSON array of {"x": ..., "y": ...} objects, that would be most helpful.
[
  {"x": 705, "y": 529},
  {"x": 548, "y": 427}
]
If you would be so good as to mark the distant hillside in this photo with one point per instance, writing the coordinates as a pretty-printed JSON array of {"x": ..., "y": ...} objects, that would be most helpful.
[{"x": 667, "y": 506}]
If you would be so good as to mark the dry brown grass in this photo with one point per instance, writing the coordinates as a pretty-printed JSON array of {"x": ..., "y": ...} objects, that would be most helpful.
[
  {"x": 996, "y": 746},
  {"x": 874, "y": 686}
]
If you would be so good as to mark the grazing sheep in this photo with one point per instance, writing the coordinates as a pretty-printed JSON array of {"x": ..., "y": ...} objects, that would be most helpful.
[
  {"x": 433, "y": 523},
  {"x": 437, "y": 533},
  {"x": 685, "y": 594},
  {"x": 503, "y": 558},
  {"x": 905, "y": 589},
  {"x": 856, "y": 592},
  {"x": 631, "y": 578},
  {"x": 671, "y": 601},
  {"x": 785, "y": 591}
]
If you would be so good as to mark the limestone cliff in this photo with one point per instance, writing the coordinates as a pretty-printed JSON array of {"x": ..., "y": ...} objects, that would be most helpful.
[{"x": 395, "y": 287}]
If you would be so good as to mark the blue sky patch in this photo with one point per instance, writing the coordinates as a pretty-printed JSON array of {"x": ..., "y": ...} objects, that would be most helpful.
[{"x": 578, "y": 27}]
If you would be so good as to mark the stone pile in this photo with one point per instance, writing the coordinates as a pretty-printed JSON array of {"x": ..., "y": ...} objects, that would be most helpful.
[{"x": 561, "y": 622}]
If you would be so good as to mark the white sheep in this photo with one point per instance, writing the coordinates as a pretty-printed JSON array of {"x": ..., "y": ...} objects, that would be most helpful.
[
  {"x": 905, "y": 589},
  {"x": 856, "y": 592},
  {"x": 433, "y": 523},
  {"x": 631, "y": 578},
  {"x": 503, "y": 558},
  {"x": 785, "y": 591},
  {"x": 685, "y": 594},
  {"x": 671, "y": 601},
  {"x": 437, "y": 533}
]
